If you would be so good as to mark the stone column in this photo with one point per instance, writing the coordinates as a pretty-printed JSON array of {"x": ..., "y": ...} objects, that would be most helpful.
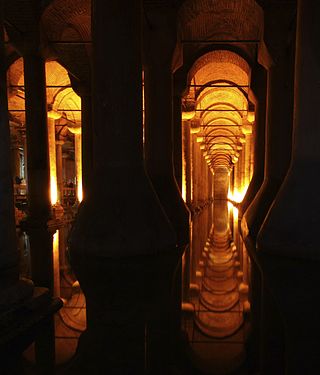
[
  {"x": 39, "y": 205},
  {"x": 159, "y": 45},
  {"x": 177, "y": 138},
  {"x": 52, "y": 159},
  {"x": 187, "y": 189},
  {"x": 279, "y": 36},
  {"x": 258, "y": 91},
  {"x": 288, "y": 240},
  {"x": 83, "y": 89},
  {"x": 78, "y": 163},
  {"x": 12, "y": 290},
  {"x": 123, "y": 248},
  {"x": 59, "y": 144},
  {"x": 258, "y": 97},
  {"x": 15, "y": 157},
  {"x": 39, "y": 225}
]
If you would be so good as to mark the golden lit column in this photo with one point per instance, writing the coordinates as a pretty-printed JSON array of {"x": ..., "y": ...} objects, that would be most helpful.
[
  {"x": 78, "y": 164},
  {"x": 75, "y": 129},
  {"x": 59, "y": 144},
  {"x": 288, "y": 241},
  {"x": 11, "y": 289},
  {"x": 54, "y": 195},
  {"x": 247, "y": 130},
  {"x": 52, "y": 159},
  {"x": 83, "y": 89},
  {"x": 257, "y": 94},
  {"x": 186, "y": 196},
  {"x": 122, "y": 247}
]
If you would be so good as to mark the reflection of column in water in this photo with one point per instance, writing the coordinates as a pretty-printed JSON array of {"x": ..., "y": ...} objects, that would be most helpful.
[{"x": 24, "y": 251}]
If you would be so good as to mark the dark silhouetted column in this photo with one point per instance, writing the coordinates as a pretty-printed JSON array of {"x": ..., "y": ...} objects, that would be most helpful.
[
  {"x": 288, "y": 241},
  {"x": 122, "y": 246}
]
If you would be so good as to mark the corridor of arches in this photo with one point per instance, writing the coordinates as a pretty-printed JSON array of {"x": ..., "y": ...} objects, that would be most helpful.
[{"x": 158, "y": 215}]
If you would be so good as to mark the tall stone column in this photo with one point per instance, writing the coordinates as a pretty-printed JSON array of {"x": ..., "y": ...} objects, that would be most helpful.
[
  {"x": 159, "y": 45},
  {"x": 12, "y": 290},
  {"x": 78, "y": 163},
  {"x": 186, "y": 192},
  {"x": 288, "y": 239},
  {"x": 122, "y": 246},
  {"x": 279, "y": 36},
  {"x": 258, "y": 92},
  {"x": 39, "y": 204},
  {"x": 39, "y": 226},
  {"x": 59, "y": 144},
  {"x": 83, "y": 89}
]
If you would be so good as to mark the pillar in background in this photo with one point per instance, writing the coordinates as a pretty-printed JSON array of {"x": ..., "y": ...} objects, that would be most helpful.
[{"x": 83, "y": 89}]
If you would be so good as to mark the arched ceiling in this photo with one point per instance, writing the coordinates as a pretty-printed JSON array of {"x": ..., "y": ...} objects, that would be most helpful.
[
  {"x": 222, "y": 21},
  {"x": 219, "y": 84},
  {"x": 66, "y": 25},
  {"x": 60, "y": 96}
]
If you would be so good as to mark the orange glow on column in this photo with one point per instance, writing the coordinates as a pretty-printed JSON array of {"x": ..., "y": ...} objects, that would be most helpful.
[
  {"x": 56, "y": 265},
  {"x": 78, "y": 162},
  {"x": 237, "y": 195},
  {"x": 52, "y": 161}
]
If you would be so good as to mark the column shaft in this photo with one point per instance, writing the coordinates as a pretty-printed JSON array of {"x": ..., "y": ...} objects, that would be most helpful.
[
  {"x": 122, "y": 246},
  {"x": 9, "y": 270}
]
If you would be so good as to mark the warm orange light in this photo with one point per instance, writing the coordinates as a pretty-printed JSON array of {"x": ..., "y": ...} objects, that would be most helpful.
[
  {"x": 77, "y": 150},
  {"x": 251, "y": 117},
  {"x": 237, "y": 195},
  {"x": 52, "y": 160},
  {"x": 56, "y": 264}
]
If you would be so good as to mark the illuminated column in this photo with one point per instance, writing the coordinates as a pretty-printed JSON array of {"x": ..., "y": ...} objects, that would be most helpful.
[
  {"x": 76, "y": 130},
  {"x": 87, "y": 140},
  {"x": 59, "y": 170},
  {"x": 78, "y": 164},
  {"x": 247, "y": 129},
  {"x": 87, "y": 136},
  {"x": 122, "y": 246},
  {"x": 258, "y": 96},
  {"x": 52, "y": 159},
  {"x": 288, "y": 241}
]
